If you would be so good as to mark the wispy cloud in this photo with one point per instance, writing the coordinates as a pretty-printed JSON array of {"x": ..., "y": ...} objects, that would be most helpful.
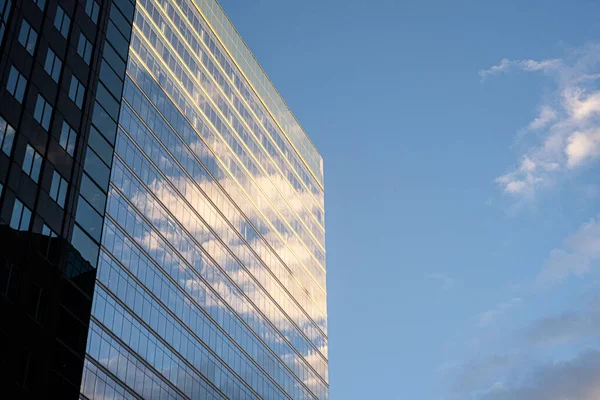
[
  {"x": 507, "y": 65},
  {"x": 567, "y": 327},
  {"x": 488, "y": 317},
  {"x": 573, "y": 379},
  {"x": 575, "y": 257},
  {"x": 445, "y": 281},
  {"x": 567, "y": 121}
]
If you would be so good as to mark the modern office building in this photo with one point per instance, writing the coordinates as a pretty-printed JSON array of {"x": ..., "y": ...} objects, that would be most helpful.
[{"x": 162, "y": 209}]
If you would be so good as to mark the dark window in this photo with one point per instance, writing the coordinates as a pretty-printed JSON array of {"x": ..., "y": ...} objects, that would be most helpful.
[
  {"x": 111, "y": 80},
  {"x": 32, "y": 163},
  {"x": 119, "y": 20},
  {"x": 117, "y": 40},
  {"x": 86, "y": 246},
  {"x": 100, "y": 146},
  {"x": 107, "y": 101},
  {"x": 58, "y": 189},
  {"x": 62, "y": 22},
  {"x": 89, "y": 219},
  {"x": 84, "y": 48},
  {"x": 105, "y": 124},
  {"x": 7, "y": 136},
  {"x": 97, "y": 170},
  {"x": 42, "y": 112},
  {"x": 27, "y": 37},
  {"x": 92, "y": 8},
  {"x": 16, "y": 84},
  {"x": 21, "y": 217},
  {"x": 49, "y": 244},
  {"x": 93, "y": 194},
  {"x": 116, "y": 62},
  {"x": 53, "y": 65},
  {"x": 68, "y": 138},
  {"x": 76, "y": 91}
]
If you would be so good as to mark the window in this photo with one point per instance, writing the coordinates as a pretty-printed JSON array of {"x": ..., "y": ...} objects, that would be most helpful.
[
  {"x": 7, "y": 136},
  {"x": 62, "y": 22},
  {"x": 92, "y": 8},
  {"x": 46, "y": 231},
  {"x": 40, "y": 3},
  {"x": 76, "y": 91},
  {"x": 32, "y": 163},
  {"x": 42, "y": 112},
  {"x": 58, "y": 189},
  {"x": 68, "y": 138},
  {"x": 4, "y": 13},
  {"x": 16, "y": 84},
  {"x": 21, "y": 217},
  {"x": 84, "y": 49},
  {"x": 53, "y": 65},
  {"x": 48, "y": 244},
  {"x": 27, "y": 37}
]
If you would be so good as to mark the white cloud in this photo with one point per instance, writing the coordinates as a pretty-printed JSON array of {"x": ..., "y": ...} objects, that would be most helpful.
[
  {"x": 567, "y": 121},
  {"x": 575, "y": 257},
  {"x": 488, "y": 317}
]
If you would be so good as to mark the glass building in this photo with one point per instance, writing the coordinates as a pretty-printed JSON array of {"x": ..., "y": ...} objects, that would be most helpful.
[{"x": 195, "y": 204}]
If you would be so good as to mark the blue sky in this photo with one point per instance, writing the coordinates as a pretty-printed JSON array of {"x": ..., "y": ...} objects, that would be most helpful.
[{"x": 461, "y": 142}]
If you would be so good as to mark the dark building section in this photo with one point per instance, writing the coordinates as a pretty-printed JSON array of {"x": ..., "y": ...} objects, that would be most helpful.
[{"x": 62, "y": 63}]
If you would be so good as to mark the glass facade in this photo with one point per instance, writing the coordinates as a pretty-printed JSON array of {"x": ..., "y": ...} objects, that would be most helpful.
[{"x": 210, "y": 280}]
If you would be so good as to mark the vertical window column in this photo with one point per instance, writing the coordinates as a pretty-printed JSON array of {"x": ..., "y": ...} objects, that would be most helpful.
[{"x": 105, "y": 115}]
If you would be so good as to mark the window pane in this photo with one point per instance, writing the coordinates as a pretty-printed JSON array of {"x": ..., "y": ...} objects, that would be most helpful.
[
  {"x": 117, "y": 40},
  {"x": 92, "y": 9},
  {"x": 28, "y": 159},
  {"x": 7, "y": 135},
  {"x": 40, "y": 3},
  {"x": 105, "y": 124},
  {"x": 111, "y": 80},
  {"x": 93, "y": 194},
  {"x": 35, "y": 168},
  {"x": 15, "y": 219},
  {"x": 25, "y": 219},
  {"x": 100, "y": 146},
  {"x": 85, "y": 245},
  {"x": 89, "y": 219},
  {"x": 119, "y": 20},
  {"x": 97, "y": 170},
  {"x": 62, "y": 21},
  {"x": 107, "y": 101},
  {"x": 53, "y": 65},
  {"x": 16, "y": 84},
  {"x": 116, "y": 62}
]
